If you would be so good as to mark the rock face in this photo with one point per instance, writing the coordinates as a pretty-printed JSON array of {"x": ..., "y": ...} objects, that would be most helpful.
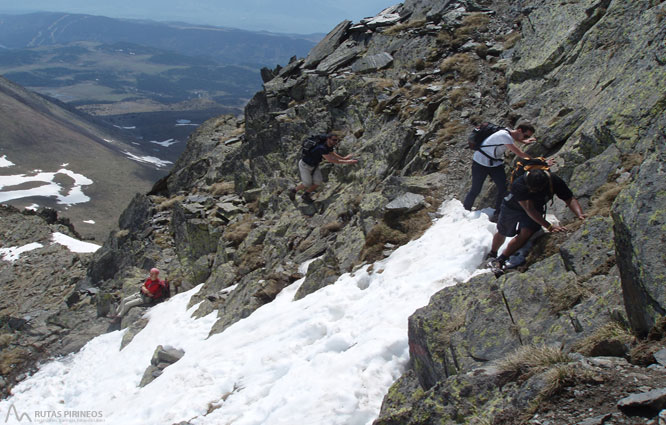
[
  {"x": 640, "y": 220},
  {"x": 44, "y": 310},
  {"x": 405, "y": 88}
]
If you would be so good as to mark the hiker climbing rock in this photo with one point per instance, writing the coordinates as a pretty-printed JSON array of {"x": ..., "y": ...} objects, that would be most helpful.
[
  {"x": 490, "y": 142},
  {"x": 152, "y": 291},
  {"x": 314, "y": 149},
  {"x": 522, "y": 213}
]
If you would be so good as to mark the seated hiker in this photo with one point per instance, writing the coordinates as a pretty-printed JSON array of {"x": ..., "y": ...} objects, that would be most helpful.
[
  {"x": 316, "y": 148},
  {"x": 523, "y": 210},
  {"x": 488, "y": 160},
  {"x": 152, "y": 291}
]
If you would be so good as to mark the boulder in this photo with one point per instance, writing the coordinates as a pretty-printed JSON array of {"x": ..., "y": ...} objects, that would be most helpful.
[
  {"x": 327, "y": 45},
  {"x": 639, "y": 215},
  {"x": 405, "y": 204},
  {"x": 341, "y": 56},
  {"x": 652, "y": 401},
  {"x": 321, "y": 272},
  {"x": 372, "y": 63}
]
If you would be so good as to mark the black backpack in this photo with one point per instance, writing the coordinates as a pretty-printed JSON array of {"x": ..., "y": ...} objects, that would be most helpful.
[
  {"x": 481, "y": 133},
  {"x": 310, "y": 143}
]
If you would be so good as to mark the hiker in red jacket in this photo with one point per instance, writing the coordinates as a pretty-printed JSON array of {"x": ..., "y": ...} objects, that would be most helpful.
[{"x": 152, "y": 290}]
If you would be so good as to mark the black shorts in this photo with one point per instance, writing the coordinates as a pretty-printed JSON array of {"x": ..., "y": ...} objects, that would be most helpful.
[{"x": 510, "y": 221}]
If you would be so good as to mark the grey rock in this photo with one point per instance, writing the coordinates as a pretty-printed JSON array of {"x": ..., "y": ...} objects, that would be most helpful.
[
  {"x": 132, "y": 331},
  {"x": 640, "y": 232},
  {"x": 252, "y": 195},
  {"x": 597, "y": 420},
  {"x": 292, "y": 68},
  {"x": 338, "y": 97},
  {"x": 266, "y": 74},
  {"x": 327, "y": 45},
  {"x": 341, "y": 56},
  {"x": 232, "y": 141},
  {"x": 595, "y": 172},
  {"x": 384, "y": 19},
  {"x": 372, "y": 63},
  {"x": 321, "y": 272},
  {"x": 405, "y": 204},
  {"x": 590, "y": 249},
  {"x": 654, "y": 401},
  {"x": 660, "y": 357},
  {"x": 149, "y": 375},
  {"x": 166, "y": 355}
]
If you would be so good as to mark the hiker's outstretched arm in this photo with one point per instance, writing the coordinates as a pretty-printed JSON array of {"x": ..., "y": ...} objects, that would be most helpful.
[
  {"x": 515, "y": 149},
  {"x": 574, "y": 206},
  {"x": 528, "y": 206},
  {"x": 337, "y": 159}
]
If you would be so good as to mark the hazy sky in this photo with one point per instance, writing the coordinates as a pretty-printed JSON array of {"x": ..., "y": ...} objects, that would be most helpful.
[{"x": 293, "y": 16}]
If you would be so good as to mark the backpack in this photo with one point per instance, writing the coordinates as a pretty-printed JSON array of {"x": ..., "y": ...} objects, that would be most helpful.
[
  {"x": 309, "y": 144},
  {"x": 166, "y": 290},
  {"x": 524, "y": 165},
  {"x": 481, "y": 133}
]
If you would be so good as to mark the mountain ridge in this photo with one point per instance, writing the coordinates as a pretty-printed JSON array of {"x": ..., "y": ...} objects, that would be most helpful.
[{"x": 222, "y": 216}]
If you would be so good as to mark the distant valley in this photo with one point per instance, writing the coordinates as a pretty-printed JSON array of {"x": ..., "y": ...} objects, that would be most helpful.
[
  {"x": 155, "y": 81},
  {"x": 148, "y": 85}
]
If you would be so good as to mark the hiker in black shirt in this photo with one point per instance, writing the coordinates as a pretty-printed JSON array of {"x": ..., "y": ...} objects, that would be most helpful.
[
  {"x": 523, "y": 210},
  {"x": 308, "y": 166}
]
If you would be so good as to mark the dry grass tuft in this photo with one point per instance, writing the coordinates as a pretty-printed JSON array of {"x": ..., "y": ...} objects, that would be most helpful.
[
  {"x": 169, "y": 203},
  {"x": 458, "y": 97},
  {"x": 332, "y": 227},
  {"x": 511, "y": 39},
  {"x": 603, "y": 198},
  {"x": 463, "y": 65},
  {"x": 612, "y": 331},
  {"x": 563, "y": 376},
  {"x": 6, "y": 339},
  {"x": 398, "y": 28},
  {"x": 9, "y": 359},
  {"x": 531, "y": 359},
  {"x": 450, "y": 130},
  {"x": 222, "y": 188},
  {"x": 473, "y": 25},
  {"x": 238, "y": 231}
]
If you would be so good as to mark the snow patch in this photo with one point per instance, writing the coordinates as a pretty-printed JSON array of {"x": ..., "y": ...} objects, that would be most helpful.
[
  {"x": 159, "y": 163},
  {"x": 165, "y": 143},
  {"x": 74, "y": 245},
  {"x": 4, "y": 162},
  {"x": 13, "y": 253},
  {"x": 48, "y": 188}
]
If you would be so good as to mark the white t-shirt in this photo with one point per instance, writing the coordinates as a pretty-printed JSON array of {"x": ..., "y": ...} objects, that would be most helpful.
[{"x": 495, "y": 146}]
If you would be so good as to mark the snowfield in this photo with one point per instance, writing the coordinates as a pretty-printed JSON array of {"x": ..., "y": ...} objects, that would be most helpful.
[{"x": 327, "y": 359}]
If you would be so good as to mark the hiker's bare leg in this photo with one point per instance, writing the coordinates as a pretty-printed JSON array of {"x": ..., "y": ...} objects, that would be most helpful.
[
  {"x": 518, "y": 241},
  {"x": 498, "y": 240}
]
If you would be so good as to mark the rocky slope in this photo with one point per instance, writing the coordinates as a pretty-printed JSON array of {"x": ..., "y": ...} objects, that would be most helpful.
[
  {"x": 42, "y": 312},
  {"x": 406, "y": 86}
]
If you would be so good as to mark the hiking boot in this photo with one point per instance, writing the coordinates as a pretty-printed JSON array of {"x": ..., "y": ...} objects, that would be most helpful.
[
  {"x": 497, "y": 267},
  {"x": 291, "y": 193},
  {"x": 490, "y": 256},
  {"x": 306, "y": 198}
]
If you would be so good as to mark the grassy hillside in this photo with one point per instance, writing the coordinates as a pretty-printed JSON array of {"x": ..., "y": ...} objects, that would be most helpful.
[{"x": 41, "y": 135}]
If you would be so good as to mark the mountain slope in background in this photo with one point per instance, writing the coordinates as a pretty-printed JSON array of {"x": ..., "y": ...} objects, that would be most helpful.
[
  {"x": 84, "y": 168},
  {"x": 156, "y": 81},
  {"x": 223, "y": 45}
]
